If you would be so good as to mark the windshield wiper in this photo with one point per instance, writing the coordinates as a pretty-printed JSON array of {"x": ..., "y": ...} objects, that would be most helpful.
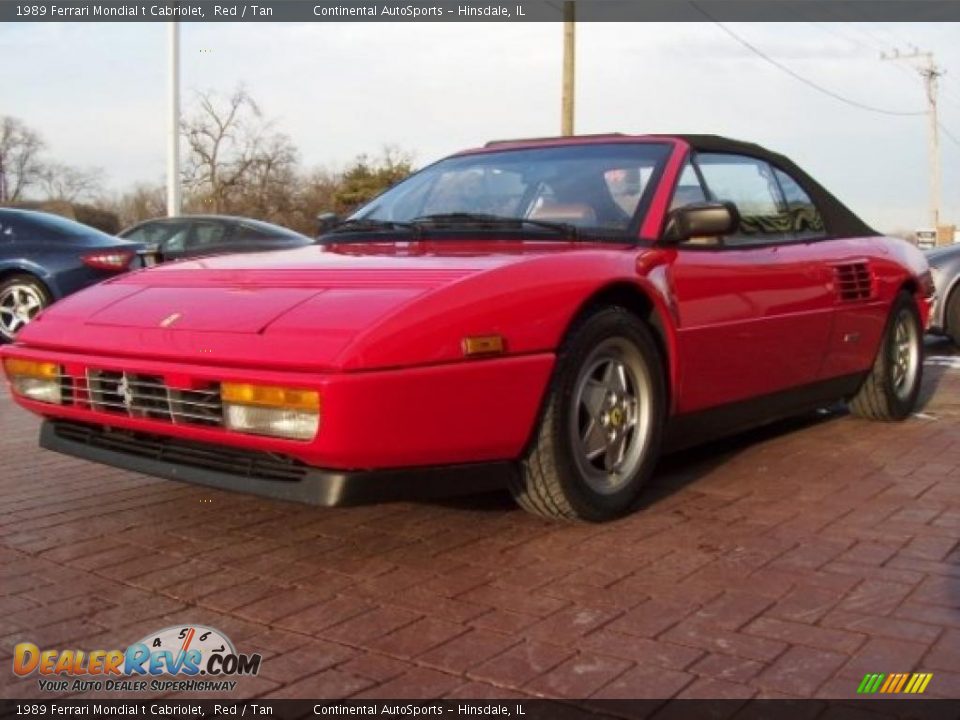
[
  {"x": 495, "y": 221},
  {"x": 445, "y": 220},
  {"x": 369, "y": 224}
]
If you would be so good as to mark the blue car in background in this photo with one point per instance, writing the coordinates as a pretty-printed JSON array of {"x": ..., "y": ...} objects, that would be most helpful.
[{"x": 45, "y": 257}]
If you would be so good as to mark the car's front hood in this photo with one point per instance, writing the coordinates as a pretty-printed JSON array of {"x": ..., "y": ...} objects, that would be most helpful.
[{"x": 306, "y": 309}]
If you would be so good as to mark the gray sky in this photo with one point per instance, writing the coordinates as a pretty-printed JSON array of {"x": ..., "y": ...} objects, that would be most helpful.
[{"x": 96, "y": 92}]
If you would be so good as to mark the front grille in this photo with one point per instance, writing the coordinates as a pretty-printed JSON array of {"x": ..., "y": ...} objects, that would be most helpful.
[
  {"x": 243, "y": 463},
  {"x": 147, "y": 396}
]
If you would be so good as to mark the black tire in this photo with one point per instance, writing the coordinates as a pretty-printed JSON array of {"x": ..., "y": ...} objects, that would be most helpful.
[
  {"x": 552, "y": 482},
  {"x": 951, "y": 316},
  {"x": 880, "y": 397},
  {"x": 27, "y": 283}
]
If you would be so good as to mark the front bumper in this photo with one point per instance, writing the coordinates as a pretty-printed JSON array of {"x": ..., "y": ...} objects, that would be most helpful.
[
  {"x": 451, "y": 414},
  {"x": 265, "y": 474}
]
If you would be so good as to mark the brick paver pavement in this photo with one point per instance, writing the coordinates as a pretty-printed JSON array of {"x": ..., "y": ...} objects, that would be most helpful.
[{"x": 786, "y": 562}]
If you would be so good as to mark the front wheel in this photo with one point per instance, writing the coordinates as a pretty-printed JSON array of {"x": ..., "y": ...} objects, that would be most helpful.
[
  {"x": 891, "y": 389},
  {"x": 600, "y": 433}
]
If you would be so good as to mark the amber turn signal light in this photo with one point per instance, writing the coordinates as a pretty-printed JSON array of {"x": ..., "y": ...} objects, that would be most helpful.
[
  {"x": 18, "y": 367},
  {"x": 483, "y": 345},
  {"x": 270, "y": 396}
]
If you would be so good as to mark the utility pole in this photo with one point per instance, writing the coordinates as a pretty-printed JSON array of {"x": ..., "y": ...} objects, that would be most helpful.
[
  {"x": 931, "y": 73},
  {"x": 569, "y": 66},
  {"x": 173, "y": 126}
]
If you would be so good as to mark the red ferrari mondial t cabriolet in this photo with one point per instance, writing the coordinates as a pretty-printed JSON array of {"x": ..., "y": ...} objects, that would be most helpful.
[{"x": 546, "y": 314}]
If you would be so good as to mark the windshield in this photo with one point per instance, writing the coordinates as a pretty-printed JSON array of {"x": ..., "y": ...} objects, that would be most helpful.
[{"x": 598, "y": 186}]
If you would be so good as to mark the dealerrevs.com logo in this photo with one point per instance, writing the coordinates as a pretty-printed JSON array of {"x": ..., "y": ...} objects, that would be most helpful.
[{"x": 199, "y": 658}]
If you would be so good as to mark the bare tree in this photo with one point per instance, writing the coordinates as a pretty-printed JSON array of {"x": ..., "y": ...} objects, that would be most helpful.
[
  {"x": 20, "y": 163},
  {"x": 141, "y": 203},
  {"x": 270, "y": 186},
  {"x": 70, "y": 184},
  {"x": 237, "y": 162}
]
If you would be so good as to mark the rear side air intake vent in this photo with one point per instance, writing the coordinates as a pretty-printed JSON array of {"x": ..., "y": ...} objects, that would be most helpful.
[{"x": 853, "y": 281}]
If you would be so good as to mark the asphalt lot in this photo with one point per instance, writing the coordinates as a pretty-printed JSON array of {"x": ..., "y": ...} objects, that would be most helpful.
[{"x": 787, "y": 562}]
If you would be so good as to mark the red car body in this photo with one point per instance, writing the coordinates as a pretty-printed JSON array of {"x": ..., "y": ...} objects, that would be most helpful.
[{"x": 378, "y": 329}]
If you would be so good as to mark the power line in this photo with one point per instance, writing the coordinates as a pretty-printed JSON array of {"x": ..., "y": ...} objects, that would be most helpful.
[
  {"x": 897, "y": 38},
  {"x": 949, "y": 134},
  {"x": 842, "y": 35},
  {"x": 780, "y": 66}
]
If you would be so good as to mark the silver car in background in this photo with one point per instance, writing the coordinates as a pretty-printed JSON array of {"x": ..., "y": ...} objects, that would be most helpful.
[{"x": 945, "y": 267}]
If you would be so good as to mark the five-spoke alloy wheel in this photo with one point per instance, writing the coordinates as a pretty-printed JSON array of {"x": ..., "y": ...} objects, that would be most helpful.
[
  {"x": 891, "y": 389},
  {"x": 599, "y": 435},
  {"x": 21, "y": 298},
  {"x": 610, "y": 423}
]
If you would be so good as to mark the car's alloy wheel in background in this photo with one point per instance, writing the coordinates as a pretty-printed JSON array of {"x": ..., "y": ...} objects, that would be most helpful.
[
  {"x": 21, "y": 298},
  {"x": 599, "y": 436},
  {"x": 891, "y": 389},
  {"x": 952, "y": 315}
]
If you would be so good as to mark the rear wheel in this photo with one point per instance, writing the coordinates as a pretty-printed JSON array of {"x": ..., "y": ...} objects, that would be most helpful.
[
  {"x": 600, "y": 433},
  {"x": 890, "y": 391},
  {"x": 21, "y": 298}
]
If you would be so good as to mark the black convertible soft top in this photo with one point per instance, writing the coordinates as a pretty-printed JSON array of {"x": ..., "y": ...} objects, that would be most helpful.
[{"x": 838, "y": 219}]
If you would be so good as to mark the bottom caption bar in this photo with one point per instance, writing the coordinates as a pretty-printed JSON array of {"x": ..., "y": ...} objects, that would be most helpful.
[{"x": 919, "y": 709}]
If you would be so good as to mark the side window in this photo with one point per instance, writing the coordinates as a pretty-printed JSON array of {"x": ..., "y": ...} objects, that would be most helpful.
[
  {"x": 169, "y": 236},
  {"x": 750, "y": 184},
  {"x": 206, "y": 235},
  {"x": 151, "y": 233},
  {"x": 246, "y": 235},
  {"x": 689, "y": 190},
  {"x": 803, "y": 217},
  {"x": 138, "y": 235}
]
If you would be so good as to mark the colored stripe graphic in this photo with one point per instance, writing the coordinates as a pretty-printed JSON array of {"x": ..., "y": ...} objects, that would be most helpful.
[
  {"x": 894, "y": 683},
  {"x": 903, "y": 681},
  {"x": 870, "y": 683},
  {"x": 919, "y": 683}
]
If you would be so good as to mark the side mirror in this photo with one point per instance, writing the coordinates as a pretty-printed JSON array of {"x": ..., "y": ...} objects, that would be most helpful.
[
  {"x": 326, "y": 221},
  {"x": 704, "y": 219}
]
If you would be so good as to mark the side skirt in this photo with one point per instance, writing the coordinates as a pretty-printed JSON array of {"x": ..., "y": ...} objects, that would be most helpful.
[{"x": 684, "y": 431}]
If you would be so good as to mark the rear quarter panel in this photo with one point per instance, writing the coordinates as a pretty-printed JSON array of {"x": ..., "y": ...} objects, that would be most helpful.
[{"x": 895, "y": 265}]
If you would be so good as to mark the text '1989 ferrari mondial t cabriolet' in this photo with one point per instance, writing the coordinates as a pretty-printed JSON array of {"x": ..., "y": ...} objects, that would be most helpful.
[{"x": 549, "y": 315}]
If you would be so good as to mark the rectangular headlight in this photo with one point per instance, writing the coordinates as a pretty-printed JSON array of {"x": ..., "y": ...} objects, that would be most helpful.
[
  {"x": 34, "y": 380},
  {"x": 292, "y": 413}
]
